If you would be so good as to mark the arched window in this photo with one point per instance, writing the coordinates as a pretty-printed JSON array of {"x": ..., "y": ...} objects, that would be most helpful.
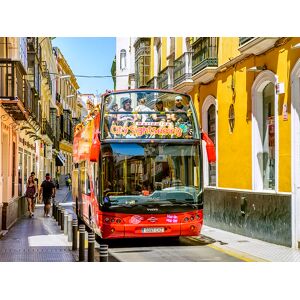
[
  {"x": 209, "y": 125},
  {"x": 268, "y": 135},
  {"x": 123, "y": 59},
  {"x": 264, "y": 132},
  {"x": 211, "y": 131}
]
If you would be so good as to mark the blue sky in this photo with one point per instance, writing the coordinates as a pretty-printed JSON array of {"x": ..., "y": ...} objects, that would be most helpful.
[{"x": 89, "y": 56}]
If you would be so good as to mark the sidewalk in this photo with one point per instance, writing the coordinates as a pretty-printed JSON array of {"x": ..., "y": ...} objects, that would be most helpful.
[
  {"x": 37, "y": 239},
  {"x": 255, "y": 250}
]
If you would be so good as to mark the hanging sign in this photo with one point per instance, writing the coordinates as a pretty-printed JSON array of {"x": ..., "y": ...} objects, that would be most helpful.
[{"x": 279, "y": 88}]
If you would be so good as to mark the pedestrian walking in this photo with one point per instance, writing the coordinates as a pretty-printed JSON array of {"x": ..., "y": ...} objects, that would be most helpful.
[
  {"x": 69, "y": 183},
  {"x": 67, "y": 180},
  {"x": 30, "y": 194},
  {"x": 47, "y": 190},
  {"x": 36, "y": 182}
]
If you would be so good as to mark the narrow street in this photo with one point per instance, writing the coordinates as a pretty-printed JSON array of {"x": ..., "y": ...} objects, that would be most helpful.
[{"x": 39, "y": 239}]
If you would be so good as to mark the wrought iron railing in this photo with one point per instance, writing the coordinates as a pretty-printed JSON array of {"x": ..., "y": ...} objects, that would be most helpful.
[
  {"x": 66, "y": 136},
  {"x": 150, "y": 83},
  {"x": 11, "y": 80},
  {"x": 46, "y": 74},
  {"x": 47, "y": 130},
  {"x": 162, "y": 80},
  {"x": 205, "y": 54},
  {"x": 55, "y": 144},
  {"x": 183, "y": 68}
]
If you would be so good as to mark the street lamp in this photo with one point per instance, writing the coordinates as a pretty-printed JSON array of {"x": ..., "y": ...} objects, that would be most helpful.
[
  {"x": 257, "y": 68},
  {"x": 297, "y": 46},
  {"x": 64, "y": 76},
  {"x": 56, "y": 76}
]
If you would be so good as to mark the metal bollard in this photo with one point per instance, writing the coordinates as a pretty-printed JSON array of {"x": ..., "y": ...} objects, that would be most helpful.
[
  {"x": 91, "y": 247},
  {"x": 103, "y": 253},
  {"x": 53, "y": 208},
  {"x": 54, "y": 213},
  {"x": 62, "y": 223},
  {"x": 65, "y": 222},
  {"x": 59, "y": 215},
  {"x": 74, "y": 235},
  {"x": 70, "y": 218},
  {"x": 81, "y": 242}
]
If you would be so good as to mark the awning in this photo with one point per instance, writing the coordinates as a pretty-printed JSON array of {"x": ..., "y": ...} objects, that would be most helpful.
[{"x": 60, "y": 159}]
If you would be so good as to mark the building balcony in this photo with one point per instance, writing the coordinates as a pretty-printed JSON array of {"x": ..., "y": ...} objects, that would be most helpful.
[
  {"x": 34, "y": 48},
  {"x": 46, "y": 75},
  {"x": 47, "y": 130},
  {"x": 205, "y": 59},
  {"x": 55, "y": 145},
  {"x": 183, "y": 73},
  {"x": 34, "y": 74},
  {"x": 256, "y": 45},
  {"x": 66, "y": 136},
  {"x": 152, "y": 83},
  {"x": 12, "y": 89},
  {"x": 165, "y": 78},
  {"x": 31, "y": 44}
]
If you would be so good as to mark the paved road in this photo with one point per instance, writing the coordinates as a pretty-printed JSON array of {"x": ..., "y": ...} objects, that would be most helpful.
[
  {"x": 167, "y": 250},
  {"x": 163, "y": 250},
  {"x": 40, "y": 239}
]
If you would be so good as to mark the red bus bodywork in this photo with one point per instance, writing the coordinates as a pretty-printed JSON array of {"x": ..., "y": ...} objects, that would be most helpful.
[{"x": 110, "y": 225}]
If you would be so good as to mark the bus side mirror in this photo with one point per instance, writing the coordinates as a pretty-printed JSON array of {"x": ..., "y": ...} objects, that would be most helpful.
[
  {"x": 95, "y": 151},
  {"x": 210, "y": 147}
]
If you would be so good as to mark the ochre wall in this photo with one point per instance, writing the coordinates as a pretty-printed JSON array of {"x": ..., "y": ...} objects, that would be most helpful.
[{"x": 235, "y": 149}]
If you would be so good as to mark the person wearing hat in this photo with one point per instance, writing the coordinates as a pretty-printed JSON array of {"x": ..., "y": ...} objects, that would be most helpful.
[
  {"x": 179, "y": 107},
  {"x": 160, "y": 107},
  {"x": 126, "y": 107}
]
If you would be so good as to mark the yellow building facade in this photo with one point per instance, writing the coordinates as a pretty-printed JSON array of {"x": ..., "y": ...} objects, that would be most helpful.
[
  {"x": 247, "y": 97},
  {"x": 68, "y": 113}
]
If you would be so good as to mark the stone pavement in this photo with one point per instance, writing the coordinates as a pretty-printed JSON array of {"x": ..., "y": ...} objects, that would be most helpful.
[
  {"x": 37, "y": 239},
  {"x": 256, "y": 250}
]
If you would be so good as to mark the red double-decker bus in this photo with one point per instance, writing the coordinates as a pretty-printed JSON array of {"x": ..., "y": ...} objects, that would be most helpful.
[{"x": 138, "y": 166}]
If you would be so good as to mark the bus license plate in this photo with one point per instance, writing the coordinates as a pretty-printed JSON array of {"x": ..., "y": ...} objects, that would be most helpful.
[{"x": 153, "y": 230}]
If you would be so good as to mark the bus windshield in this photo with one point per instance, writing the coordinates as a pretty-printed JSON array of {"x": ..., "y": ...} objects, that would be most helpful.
[
  {"x": 142, "y": 173},
  {"x": 149, "y": 114}
]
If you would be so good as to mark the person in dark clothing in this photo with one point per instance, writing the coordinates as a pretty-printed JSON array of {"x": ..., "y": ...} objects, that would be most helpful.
[
  {"x": 180, "y": 109},
  {"x": 48, "y": 191},
  {"x": 67, "y": 181}
]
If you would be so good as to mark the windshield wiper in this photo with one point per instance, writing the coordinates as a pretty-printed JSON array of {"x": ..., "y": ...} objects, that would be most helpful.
[
  {"x": 124, "y": 205},
  {"x": 182, "y": 203}
]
